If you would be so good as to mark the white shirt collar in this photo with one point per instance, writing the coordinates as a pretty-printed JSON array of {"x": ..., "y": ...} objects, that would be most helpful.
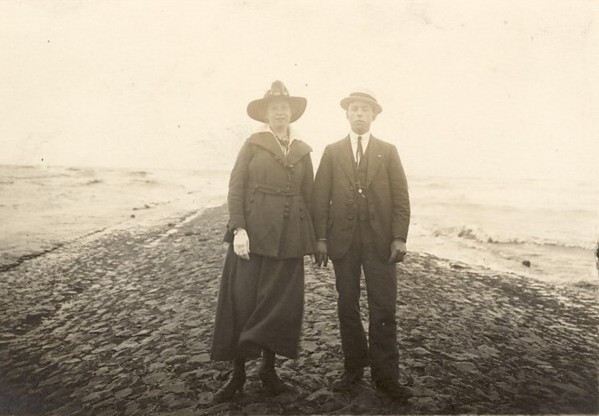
[{"x": 353, "y": 138}]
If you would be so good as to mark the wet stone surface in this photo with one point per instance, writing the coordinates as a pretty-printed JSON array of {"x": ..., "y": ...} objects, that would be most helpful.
[{"x": 122, "y": 324}]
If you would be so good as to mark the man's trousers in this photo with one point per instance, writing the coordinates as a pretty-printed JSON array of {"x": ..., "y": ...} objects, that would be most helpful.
[{"x": 380, "y": 350}]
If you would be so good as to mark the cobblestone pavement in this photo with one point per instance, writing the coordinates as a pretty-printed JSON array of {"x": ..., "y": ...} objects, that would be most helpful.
[{"x": 121, "y": 324}]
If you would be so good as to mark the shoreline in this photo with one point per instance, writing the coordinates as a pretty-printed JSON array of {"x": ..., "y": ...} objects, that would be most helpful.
[
  {"x": 47, "y": 206},
  {"x": 121, "y": 322},
  {"x": 153, "y": 214}
]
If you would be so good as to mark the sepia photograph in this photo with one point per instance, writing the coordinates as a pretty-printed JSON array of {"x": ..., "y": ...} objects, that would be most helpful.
[{"x": 308, "y": 207}]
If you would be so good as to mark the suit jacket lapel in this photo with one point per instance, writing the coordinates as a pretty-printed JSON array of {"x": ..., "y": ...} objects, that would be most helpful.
[
  {"x": 347, "y": 159},
  {"x": 375, "y": 159}
]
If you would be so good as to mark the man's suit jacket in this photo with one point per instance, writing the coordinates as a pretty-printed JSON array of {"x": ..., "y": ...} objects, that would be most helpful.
[{"x": 334, "y": 198}]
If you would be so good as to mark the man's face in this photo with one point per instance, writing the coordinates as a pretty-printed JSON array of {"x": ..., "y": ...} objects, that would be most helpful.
[{"x": 360, "y": 115}]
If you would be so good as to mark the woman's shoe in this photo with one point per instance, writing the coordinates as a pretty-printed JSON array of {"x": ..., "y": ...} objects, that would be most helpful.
[
  {"x": 271, "y": 382},
  {"x": 227, "y": 392}
]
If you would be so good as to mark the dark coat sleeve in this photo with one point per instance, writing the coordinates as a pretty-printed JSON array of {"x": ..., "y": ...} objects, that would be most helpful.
[
  {"x": 237, "y": 188},
  {"x": 322, "y": 194},
  {"x": 400, "y": 199},
  {"x": 308, "y": 182}
]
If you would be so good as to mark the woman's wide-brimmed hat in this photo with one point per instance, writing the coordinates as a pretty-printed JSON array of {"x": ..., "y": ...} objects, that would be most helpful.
[
  {"x": 257, "y": 108},
  {"x": 362, "y": 96}
]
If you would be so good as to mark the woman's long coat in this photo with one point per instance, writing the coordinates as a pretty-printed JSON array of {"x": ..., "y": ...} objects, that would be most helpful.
[
  {"x": 260, "y": 301},
  {"x": 269, "y": 196}
]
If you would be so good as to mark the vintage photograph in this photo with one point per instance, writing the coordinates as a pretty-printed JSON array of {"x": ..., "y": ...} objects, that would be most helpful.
[{"x": 305, "y": 207}]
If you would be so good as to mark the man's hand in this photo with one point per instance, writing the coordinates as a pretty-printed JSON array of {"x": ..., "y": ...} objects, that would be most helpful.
[
  {"x": 241, "y": 244},
  {"x": 398, "y": 251},
  {"x": 322, "y": 258}
]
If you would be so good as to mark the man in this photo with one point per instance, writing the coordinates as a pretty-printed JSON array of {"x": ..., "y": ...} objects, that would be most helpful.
[{"x": 361, "y": 217}]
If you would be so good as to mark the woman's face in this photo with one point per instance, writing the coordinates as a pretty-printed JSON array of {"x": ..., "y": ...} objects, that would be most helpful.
[{"x": 278, "y": 114}]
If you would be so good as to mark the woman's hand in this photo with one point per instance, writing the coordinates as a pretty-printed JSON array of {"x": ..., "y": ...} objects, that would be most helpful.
[{"x": 241, "y": 244}]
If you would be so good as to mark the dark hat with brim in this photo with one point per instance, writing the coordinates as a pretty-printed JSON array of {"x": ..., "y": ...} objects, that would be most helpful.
[
  {"x": 257, "y": 108},
  {"x": 362, "y": 96}
]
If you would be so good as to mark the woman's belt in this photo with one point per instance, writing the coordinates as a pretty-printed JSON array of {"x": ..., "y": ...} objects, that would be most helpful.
[{"x": 272, "y": 190}]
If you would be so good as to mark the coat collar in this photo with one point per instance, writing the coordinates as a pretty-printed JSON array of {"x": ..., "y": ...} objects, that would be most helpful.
[{"x": 267, "y": 141}]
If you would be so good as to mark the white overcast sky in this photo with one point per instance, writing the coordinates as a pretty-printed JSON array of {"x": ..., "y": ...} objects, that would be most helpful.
[{"x": 484, "y": 88}]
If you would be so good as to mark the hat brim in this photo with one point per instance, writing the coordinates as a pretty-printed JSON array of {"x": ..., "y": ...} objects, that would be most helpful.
[
  {"x": 375, "y": 106},
  {"x": 257, "y": 108}
]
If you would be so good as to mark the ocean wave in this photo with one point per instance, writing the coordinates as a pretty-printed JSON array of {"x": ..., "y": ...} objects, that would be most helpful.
[
  {"x": 138, "y": 173},
  {"x": 461, "y": 203},
  {"x": 144, "y": 182},
  {"x": 436, "y": 185},
  {"x": 481, "y": 236}
]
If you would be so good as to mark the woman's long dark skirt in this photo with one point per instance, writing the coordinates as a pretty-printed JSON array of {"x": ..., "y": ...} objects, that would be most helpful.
[{"x": 260, "y": 305}]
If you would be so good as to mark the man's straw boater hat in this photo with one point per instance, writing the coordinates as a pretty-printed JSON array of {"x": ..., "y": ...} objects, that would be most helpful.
[
  {"x": 362, "y": 96},
  {"x": 257, "y": 108}
]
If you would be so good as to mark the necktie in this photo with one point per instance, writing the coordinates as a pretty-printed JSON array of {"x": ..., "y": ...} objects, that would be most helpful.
[{"x": 359, "y": 152}]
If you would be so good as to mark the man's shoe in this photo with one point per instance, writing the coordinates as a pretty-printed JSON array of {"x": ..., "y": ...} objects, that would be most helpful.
[
  {"x": 394, "y": 390},
  {"x": 348, "y": 379}
]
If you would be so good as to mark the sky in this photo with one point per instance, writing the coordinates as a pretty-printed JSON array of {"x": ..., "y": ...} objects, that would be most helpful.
[{"x": 468, "y": 88}]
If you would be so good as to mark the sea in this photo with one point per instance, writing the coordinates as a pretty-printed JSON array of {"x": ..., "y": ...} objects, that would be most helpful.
[{"x": 545, "y": 229}]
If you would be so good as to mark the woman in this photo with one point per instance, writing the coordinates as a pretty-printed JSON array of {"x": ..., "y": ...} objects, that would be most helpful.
[{"x": 261, "y": 298}]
